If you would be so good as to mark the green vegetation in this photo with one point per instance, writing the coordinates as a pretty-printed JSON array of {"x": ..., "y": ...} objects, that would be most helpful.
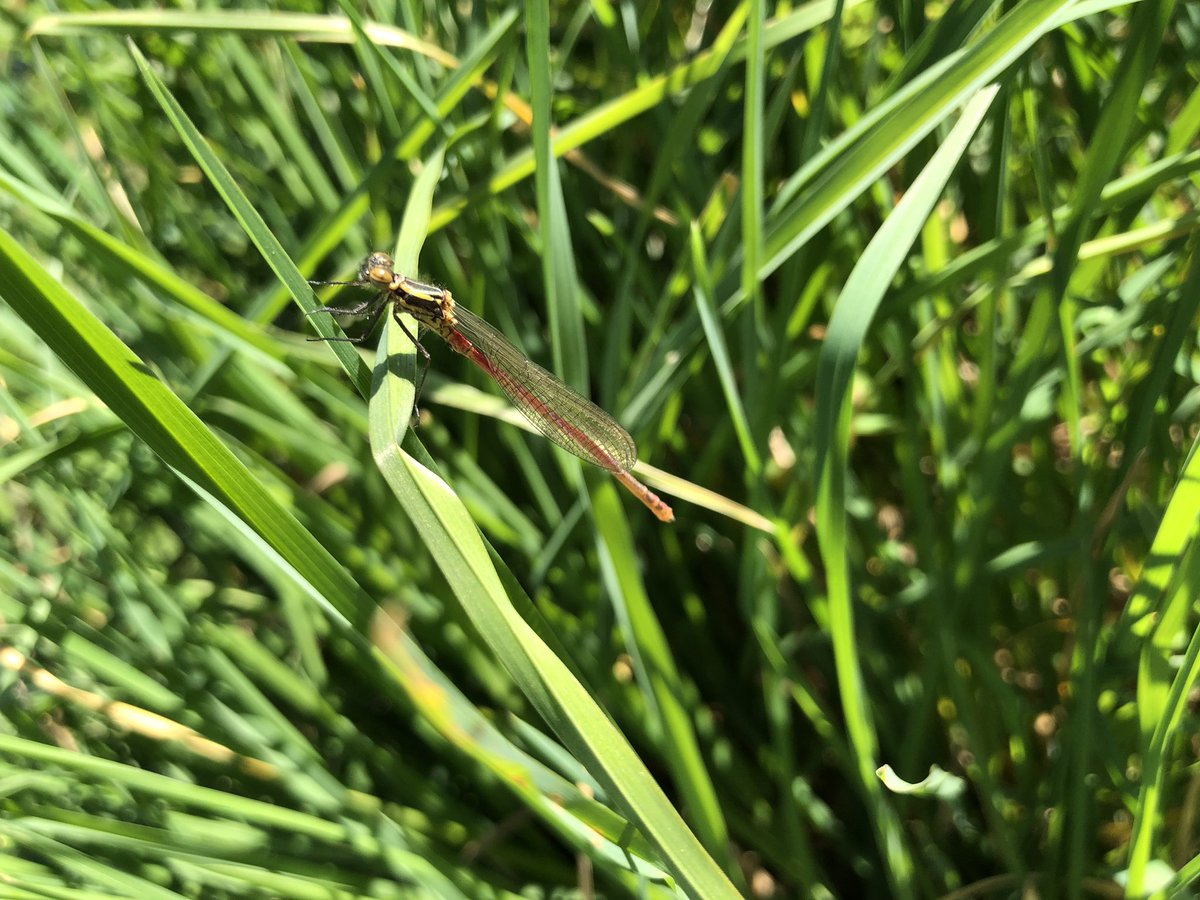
[{"x": 900, "y": 303}]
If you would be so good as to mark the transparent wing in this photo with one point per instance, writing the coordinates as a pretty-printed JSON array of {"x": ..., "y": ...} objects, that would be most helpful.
[{"x": 559, "y": 411}]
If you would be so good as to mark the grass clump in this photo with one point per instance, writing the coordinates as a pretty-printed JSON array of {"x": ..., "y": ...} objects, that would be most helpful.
[{"x": 899, "y": 304}]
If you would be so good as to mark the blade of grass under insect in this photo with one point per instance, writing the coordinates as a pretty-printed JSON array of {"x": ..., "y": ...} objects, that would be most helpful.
[
  {"x": 415, "y": 224},
  {"x": 459, "y": 551},
  {"x": 394, "y": 348},
  {"x": 848, "y": 327},
  {"x": 447, "y": 529},
  {"x": 413, "y": 228}
]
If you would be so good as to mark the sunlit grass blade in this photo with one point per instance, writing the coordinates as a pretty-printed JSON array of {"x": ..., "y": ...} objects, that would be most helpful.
[
  {"x": 662, "y": 681},
  {"x": 299, "y": 25},
  {"x": 848, "y": 327},
  {"x": 249, "y": 218},
  {"x": 562, "y": 701},
  {"x": 157, "y": 416},
  {"x": 862, "y": 153}
]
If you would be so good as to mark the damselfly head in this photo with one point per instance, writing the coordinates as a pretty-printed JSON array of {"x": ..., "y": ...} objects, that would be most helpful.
[{"x": 378, "y": 268}]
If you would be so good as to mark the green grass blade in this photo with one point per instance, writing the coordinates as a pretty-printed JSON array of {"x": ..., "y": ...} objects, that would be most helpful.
[
  {"x": 262, "y": 22},
  {"x": 710, "y": 320},
  {"x": 270, "y": 248},
  {"x": 661, "y": 679},
  {"x": 859, "y": 301},
  {"x": 558, "y": 258},
  {"x": 152, "y": 412},
  {"x": 443, "y": 524},
  {"x": 862, "y": 153}
]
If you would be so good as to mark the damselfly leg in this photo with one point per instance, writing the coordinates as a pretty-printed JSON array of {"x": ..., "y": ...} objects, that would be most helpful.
[{"x": 374, "y": 309}]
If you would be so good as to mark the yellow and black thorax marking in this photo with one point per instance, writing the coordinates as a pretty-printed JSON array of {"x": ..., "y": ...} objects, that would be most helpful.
[{"x": 428, "y": 302}]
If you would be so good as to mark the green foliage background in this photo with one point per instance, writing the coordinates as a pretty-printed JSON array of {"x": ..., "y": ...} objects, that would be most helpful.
[{"x": 900, "y": 302}]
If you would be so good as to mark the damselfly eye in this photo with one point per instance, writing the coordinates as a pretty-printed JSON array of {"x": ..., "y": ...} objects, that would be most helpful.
[{"x": 379, "y": 267}]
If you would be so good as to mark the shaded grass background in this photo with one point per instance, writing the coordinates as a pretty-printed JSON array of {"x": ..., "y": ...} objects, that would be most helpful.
[{"x": 966, "y": 524}]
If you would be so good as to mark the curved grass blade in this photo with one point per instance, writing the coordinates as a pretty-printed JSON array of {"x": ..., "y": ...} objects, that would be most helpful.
[
  {"x": 256, "y": 229},
  {"x": 458, "y": 549},
  {"x": 852, "y": 317}
]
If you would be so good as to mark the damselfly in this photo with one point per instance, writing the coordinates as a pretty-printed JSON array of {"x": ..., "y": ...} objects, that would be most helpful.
[{"x": 558, "y": 410}]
